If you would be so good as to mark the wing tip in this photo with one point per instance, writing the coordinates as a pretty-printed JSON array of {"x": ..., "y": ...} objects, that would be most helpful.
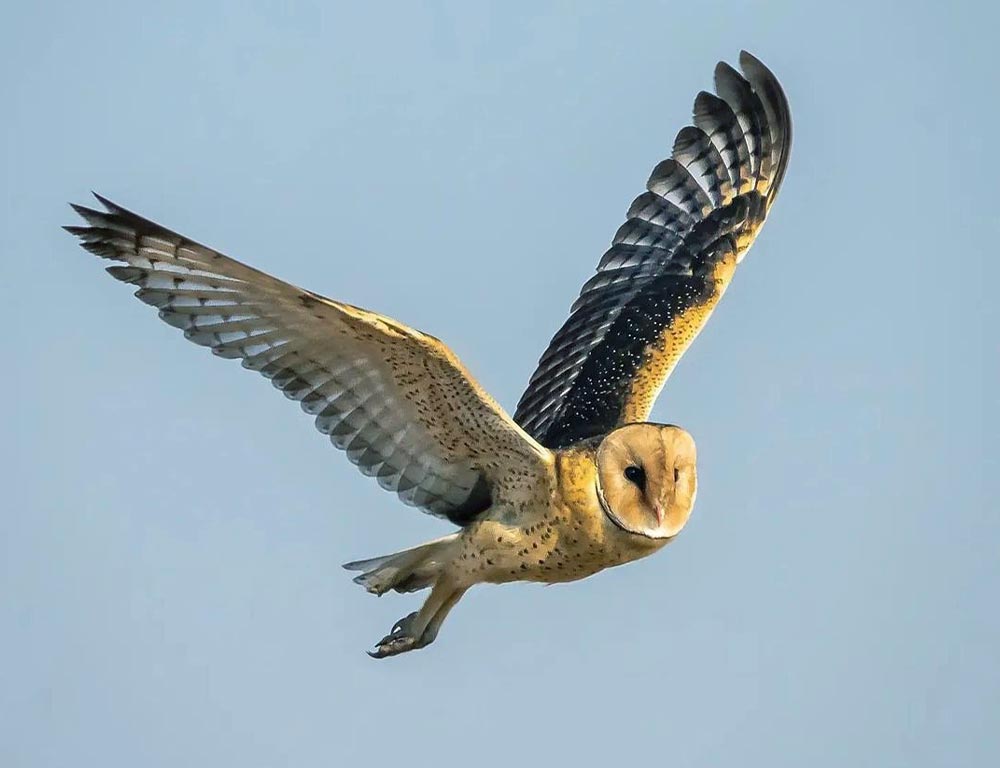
[
  {"x": 116, "y": 217},
  {"x": 768, "y": 87},
  {"x": 94, "y": 218},
  {"x": 109, "y": 206},
  {"x": 748, "y": 61},
  {"x": 92, "y": 233},
  {"x": 723, "y": 71},
  {"x": 84, "y": 212}
]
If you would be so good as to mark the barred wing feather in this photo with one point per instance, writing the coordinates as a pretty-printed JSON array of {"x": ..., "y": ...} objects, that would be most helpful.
[
  {"x": 668, "y": 265},
  {"x": 397, "y": 401}
]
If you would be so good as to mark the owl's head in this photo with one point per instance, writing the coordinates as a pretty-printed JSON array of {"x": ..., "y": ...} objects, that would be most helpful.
[{"x": 647, "y": 479}]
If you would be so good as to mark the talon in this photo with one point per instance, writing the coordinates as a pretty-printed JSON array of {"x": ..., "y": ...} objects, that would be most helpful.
[
  {"x": 399, "y": 640},
  {"x": 403, "y": 624},
  {"x": 391, "y": 645}
]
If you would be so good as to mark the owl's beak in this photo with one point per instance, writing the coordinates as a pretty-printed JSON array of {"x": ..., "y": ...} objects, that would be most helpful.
[
  {"x": 659, "y": 495},
  {"x": 658, "y": 509}
]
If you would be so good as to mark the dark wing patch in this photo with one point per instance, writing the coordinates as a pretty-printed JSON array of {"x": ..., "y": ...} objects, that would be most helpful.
[
  {"x": 668, "y": 264},
  {"x": 396, "y": 401}
]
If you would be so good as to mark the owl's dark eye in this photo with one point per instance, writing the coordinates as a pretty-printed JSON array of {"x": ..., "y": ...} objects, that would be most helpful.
[{"x": 636, "y": 475}]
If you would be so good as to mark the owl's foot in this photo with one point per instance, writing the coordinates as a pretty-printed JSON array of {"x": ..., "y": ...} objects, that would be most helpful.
[
  {"x": 421, "y": 627},
  {"x": 399, "y": 640}
]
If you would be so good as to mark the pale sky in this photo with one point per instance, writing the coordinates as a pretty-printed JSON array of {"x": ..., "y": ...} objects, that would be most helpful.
[{"x": 170, "y": 589}]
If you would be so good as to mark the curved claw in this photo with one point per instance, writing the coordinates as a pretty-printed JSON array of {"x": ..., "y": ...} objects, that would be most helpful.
[
  {"x": 403, "y": 624},
  {"x": 399, "y": 640},
  {"x": 391, "y": 645}
]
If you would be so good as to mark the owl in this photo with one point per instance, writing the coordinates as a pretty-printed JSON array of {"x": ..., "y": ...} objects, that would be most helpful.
[{"x": 577, "y": 480}]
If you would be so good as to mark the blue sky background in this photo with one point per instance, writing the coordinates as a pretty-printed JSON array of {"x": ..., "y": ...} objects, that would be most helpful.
[{"x": 170, "y": 540}]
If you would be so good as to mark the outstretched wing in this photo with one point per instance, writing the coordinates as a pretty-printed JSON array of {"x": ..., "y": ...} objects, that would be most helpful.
[
  {"x": 669, "y": 264},
  {"x": 396, "y": 400}
]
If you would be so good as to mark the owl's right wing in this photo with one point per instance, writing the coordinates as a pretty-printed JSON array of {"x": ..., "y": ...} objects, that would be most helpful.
[
  {"x": 668, "y": 265},
  {"x": 397, "y": 401}
]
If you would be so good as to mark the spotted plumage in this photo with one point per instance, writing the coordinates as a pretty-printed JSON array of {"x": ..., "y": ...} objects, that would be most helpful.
[{"x": 575, "y": 482}]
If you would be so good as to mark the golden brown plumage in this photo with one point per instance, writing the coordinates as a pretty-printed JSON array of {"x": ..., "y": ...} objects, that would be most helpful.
[
  {"x": 590, "y": 513},
  {"x": 574, "y": 483}
]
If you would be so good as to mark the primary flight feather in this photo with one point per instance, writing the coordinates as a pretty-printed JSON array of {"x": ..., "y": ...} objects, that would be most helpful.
[{"x": 577, "y": 481}]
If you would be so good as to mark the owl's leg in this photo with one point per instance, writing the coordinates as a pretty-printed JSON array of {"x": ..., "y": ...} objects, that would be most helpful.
[
  {"x": 434, "y": 626},
  {"x": 421, "y": 627}
]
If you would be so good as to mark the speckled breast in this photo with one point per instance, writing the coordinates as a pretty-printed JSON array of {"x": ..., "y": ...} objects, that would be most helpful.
[{"x": 571, "y": 539}]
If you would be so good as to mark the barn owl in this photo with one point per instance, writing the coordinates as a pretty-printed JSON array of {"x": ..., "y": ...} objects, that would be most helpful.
[{"x": 576, "y": 481}]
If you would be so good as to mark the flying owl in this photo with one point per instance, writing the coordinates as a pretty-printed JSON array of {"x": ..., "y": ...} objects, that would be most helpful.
[{"x": 577, "y": 481}]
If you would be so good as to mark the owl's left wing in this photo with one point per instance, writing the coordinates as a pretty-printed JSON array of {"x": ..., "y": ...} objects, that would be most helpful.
[
  {"x": 397, "y": 401},
  {"x": 669, "y": 264}
]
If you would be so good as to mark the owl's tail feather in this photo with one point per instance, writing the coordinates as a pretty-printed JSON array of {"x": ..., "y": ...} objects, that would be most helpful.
[{"x": 406, "y": 571}]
